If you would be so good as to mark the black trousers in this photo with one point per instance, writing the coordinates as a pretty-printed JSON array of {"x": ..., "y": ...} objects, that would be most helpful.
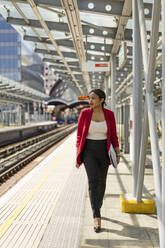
[{"x": 96, "y": 160}]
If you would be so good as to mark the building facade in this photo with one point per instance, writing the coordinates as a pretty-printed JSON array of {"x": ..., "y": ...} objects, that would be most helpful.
[{"x": 10, "y": 51}]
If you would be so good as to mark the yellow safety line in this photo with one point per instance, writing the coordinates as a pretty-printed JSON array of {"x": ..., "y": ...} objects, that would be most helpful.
[{"x": 8, "y": 222}]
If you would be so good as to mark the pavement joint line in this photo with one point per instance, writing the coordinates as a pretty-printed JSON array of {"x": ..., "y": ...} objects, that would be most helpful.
[{"x": 10, "y": 219}]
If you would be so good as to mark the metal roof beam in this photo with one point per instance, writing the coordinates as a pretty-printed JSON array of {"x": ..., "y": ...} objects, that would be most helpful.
[
  {"x": 61, "y": 73},
  {"x": 2, "y": 85},
  {"x": 58, "y": 26},
  {"x": 71, "y": 54},
  {"x": 48, "y": 33},
  {"x": 99, "y": 6},
  {"x": 79, "y": 76},
  {"x": 52, "y": 52},
  {"x": 63, "y": 27},
  {"x": 122, "y": 22},
  {"x": 49, "y": 60},
  {"x": 55, "y": 65},
  {"x": 99, "y": 47},
  {"x": 63, "y": 68},
  {"x": 61, "y": 42}
]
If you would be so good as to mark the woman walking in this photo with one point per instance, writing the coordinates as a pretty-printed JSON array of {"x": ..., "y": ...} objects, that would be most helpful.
[{"x": 96, "y": 131}]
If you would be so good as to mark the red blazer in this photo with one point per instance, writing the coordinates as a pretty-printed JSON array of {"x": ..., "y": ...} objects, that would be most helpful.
[{"x": 83, "y": 127}]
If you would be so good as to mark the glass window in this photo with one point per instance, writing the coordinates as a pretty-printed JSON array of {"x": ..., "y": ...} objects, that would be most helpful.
[
  {"x": 9, "y": 63},
  {"x": 9, "y": 50},
  {"x": 8, "y": 37}
]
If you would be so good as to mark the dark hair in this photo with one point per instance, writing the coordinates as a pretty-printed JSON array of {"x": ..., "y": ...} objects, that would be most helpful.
[{"x": 100, "y": 94}]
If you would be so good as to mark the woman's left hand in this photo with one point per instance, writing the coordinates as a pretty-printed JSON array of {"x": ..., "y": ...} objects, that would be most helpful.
[{"x": 117, "y": 150}]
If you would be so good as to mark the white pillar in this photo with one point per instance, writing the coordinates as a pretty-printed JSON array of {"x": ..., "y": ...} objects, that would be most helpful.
[
  {"x": 137, "y": 95},
  {"x": 131, "y": 129},
  {"x": 106, "y": 86},
  {"x": 163, "y": 123},
  {"x": 39, "y": 111},
  {"x": 126, "y": 128},
  {"x": 149, "y": 67},
  {"x": 109, "y": 87},
  {"x": 28, "y": 109}
]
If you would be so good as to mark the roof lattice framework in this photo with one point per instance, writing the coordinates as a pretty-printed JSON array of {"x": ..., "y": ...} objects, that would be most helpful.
[{"x": 68, "y": 32}]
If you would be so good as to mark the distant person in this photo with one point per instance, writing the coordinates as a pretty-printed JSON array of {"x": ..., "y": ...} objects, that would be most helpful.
[{"x": 96, "y": 131}]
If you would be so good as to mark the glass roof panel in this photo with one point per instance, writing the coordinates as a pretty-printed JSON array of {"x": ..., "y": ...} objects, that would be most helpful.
[
  {"x": 71, "y": 60},
  {"x": 148, "y": 1},
  {"x": 97, "y": 40},
  {"x": 39, "y": 45},
  {"x": 99, "y": 20},
  {"x": 50, "y": 15},
  {"x": 97, "y": 53},
  {"x": 25, "y": 8},
  {"x": 66, "y": 49},
  {"x": 57, "y": 34},
  {"x": 148, "y": 25}
]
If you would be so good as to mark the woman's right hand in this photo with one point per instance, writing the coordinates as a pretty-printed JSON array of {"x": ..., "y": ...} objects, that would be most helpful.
[{"x": 77, "y": 165}]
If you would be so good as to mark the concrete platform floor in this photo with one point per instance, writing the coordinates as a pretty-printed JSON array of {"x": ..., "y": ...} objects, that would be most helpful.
[{"x": 121, "y": 230}]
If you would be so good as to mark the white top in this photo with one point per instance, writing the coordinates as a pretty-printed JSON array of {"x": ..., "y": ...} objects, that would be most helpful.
[{"x": 97, "y": 130}]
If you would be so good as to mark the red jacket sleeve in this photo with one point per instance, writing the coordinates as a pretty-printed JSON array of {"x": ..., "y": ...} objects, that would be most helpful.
[
  {"x": 114, "y": 138},
  {"x": 80, "y": 128}
]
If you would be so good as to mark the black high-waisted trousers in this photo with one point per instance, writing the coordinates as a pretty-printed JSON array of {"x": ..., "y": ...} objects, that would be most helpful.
[{"x": 96, "y": 161}]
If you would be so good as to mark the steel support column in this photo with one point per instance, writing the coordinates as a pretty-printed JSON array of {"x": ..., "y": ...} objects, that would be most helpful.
[
  {"x": 149, "y": 67},
  {"x": 121, "y": 125},
  {"x": 39, "y": 111},
  {"x": 137, "y": 95},
  {"x": 163, "y": 123},
  {"x": 117, "y": 114},
  {"x": 113, "y": 83},
  {"x": 107, "y": 82},
  {"x": 142, "y": 156},
  {"x": 28, "y": 111},
  {"x": 106, "y": 87},
  {"x": 126, "y": 128},
  {"x": 131, "y": 128}
]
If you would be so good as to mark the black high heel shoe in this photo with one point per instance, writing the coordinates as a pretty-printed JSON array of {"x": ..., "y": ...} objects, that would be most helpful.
[
  {"x": 97, "y": 229},
  {"x": 97, "y": 225}
]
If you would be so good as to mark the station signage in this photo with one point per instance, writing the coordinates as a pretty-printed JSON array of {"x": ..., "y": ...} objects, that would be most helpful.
[
  {"x": 92, "y": 66},
  {"x": 83, "y": 98}
]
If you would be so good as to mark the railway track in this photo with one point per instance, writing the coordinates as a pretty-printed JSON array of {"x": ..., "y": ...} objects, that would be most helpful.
[{"x": 16, "y": 156}]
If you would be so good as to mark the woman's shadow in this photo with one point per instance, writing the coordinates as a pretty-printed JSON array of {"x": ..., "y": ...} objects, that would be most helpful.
[{"x": 132, "y": 231}]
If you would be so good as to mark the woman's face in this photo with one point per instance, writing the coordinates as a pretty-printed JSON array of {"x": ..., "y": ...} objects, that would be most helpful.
[{"x": 94, "y": 100}]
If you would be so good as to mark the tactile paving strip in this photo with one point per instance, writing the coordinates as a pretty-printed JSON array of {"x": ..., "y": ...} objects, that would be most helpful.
[
  {"x": 65, "y": 226},
  {"x": 26, "y": 217}
]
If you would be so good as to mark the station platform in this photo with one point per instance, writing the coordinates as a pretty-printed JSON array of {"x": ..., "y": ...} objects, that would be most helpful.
[
  {"x": 28, "y": 125},
  {"x": 13, "y": 133},
  {"x": 49, "y": 207}
]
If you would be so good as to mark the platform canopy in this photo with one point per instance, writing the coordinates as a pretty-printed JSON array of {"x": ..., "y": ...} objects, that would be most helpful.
[
  {"x": 69, "y": 33},
  {"x": 67, "y": 104},
  {"x": 14, "y": 92}
]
